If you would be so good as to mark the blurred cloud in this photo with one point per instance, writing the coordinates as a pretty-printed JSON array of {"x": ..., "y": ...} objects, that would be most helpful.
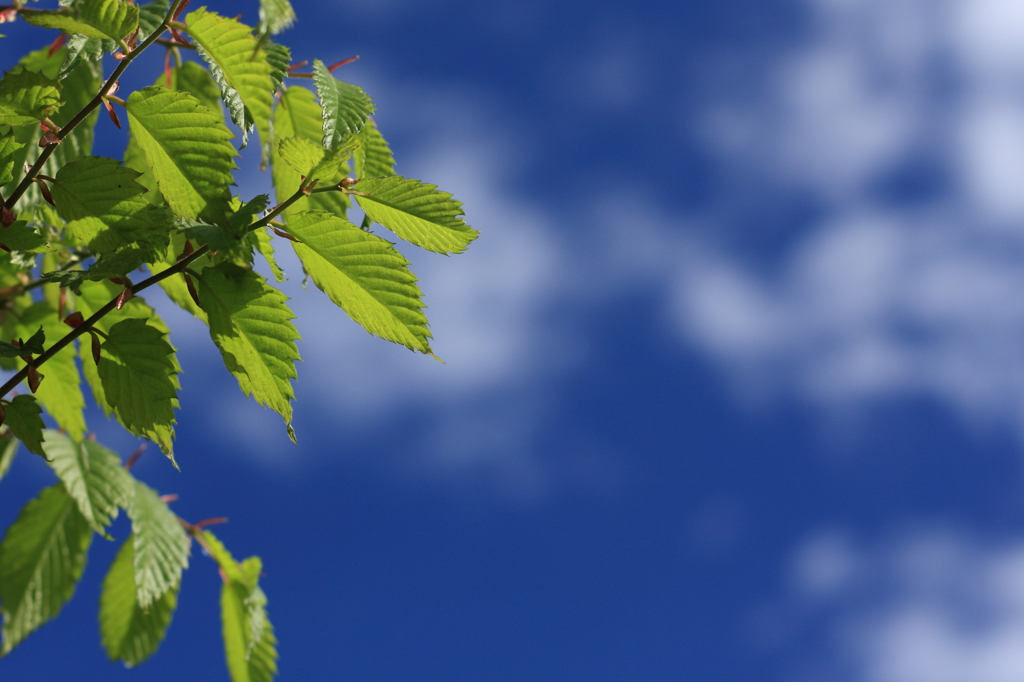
[
  {"x": 926, "y": 605},
  {"x": 888, "y": 292}
]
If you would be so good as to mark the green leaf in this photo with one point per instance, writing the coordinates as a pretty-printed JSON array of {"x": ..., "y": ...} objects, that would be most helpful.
[
  {"x": 8, "y": 150},
  {"x": 193, "y": 79},
  {"x": 150, "y": 16},
  {"x": 92, "y": 475},
  {"x": 345, "y": 106},
  {"x": 298, "y": 115},
  {"x": 27, "y": 98},
  {"x": 139, "y": 376},
  {"x": 373, "y": 157},
  {"x": 92, "y": 297},
  {"x": 416, "y": 212},
  {"x": 187, "y": 147},
  {"x": 266, "y": 247},
  {"x": 249, "y": 643},
  {"x": 110, "y": 19},
  {"x": 20, "y": 237},
  {"x": 249, "y": 322},
  {"x": 175, "y": 286},
  {"x": 34, "y": 345},
  {"x": 130, "y": 633},
  {"x": 41, "y": 559},
  {"x": 60, "y": 391},
  {"x": 26, "y": 423},
  {"x": 160, "y": 544},
  {"x": 104, "y": 206},
  {"x": 239, "y": 67},
  {"x": 8, "y": 449},
  {"x": 313, "y": 161},
  {"x": 275, "y": 16},
  {"x": 280, "y": 58},
  {"x": 83, "y": 48},
  {"x": 364, "y": 275},
  {"x": 77, "y": 88}
]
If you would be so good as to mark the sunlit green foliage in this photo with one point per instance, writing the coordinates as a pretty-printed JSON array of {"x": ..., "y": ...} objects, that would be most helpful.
[{"x": 82, "y": 236}]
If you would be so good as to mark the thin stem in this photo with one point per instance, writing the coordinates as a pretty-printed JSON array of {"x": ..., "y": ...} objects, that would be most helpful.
[
  {"x": 178, "y": 267},
  {"x": 88, "y": 108}
]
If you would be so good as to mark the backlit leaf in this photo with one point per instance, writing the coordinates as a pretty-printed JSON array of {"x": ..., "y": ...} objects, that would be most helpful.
[
  {"x": 187, "y": 147},
  {"x": 92, "y": 475},
  {"x": 250, "y": 323},
  {"x": 42, "y": 556},
  {"x": 373, "y": 157},
  {"x": 276, "y": 16},
  {"x": 160, "y": 544},
  {"x": 110, "y": 19},
  {"x": 8, "y": 150},
  {"x": 364, "y": 275},
  {"x": 8, "y": 449},
  {"x": 129, "y": 632},
  {"x": 27, "y": 98},
  {"x": 239, "y": 66},
  {"x": 345, "y": 106},
  {"x": 416, "y": 212}
]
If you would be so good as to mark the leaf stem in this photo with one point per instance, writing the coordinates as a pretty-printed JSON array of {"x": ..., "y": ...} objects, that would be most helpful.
[
  {"x": 88, "y": 108},
  {"x": 180, "y": 266}
]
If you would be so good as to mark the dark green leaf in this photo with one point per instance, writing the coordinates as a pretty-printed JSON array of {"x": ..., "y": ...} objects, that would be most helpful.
[
  {"x": 139, "y": 376},
  {"x": 8, "y": 151},
  {"x": 24, "y": 418}
]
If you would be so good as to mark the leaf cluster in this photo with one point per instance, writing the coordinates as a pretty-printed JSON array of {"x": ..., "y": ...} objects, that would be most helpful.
[{"x": 83, "y": 236}]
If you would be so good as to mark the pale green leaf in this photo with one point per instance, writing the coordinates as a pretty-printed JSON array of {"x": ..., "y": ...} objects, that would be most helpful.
[
  {"x": 266, "y": 247},
  {"x": 8, "y": 449},
  {"x": 130, "y": 633},
  {"x": 27, "y": 98},
  {"x": 298, "y": 115},
  {"x": 23, "y": 417},
  {"x": 193, "y": 79},
  {"x": 92, "y": 475},
  {"x": 313, "y": 161},
  {"x": 239, "y": 66},
  {"x": 139, "y": 376},
  {"x": 42, "y": 556},
  {"x": 161, "y": 545},
  {"x": 250, "y": 647},
  {"x": 187, "y": 147},
  {"x": 250, "y": 323},
  {"x": 416, "y": 212},
  {"x": 275, "y": 16},
  {"x": 373, "y": 157},
  {"x": 345, "y": 106},
  {"x": 110, "y": 19},
  {"x": 364, "y": 275}
]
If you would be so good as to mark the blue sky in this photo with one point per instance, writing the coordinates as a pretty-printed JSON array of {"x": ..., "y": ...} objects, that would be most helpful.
[{"x": 734, "y": 384}]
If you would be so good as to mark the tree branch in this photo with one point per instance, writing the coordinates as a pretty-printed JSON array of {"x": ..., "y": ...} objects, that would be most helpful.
[{"x": 88, "y": 108}]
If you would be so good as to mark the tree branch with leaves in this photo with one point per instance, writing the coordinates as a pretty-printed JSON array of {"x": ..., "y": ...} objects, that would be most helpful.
[{"x": 76, "y": 230}]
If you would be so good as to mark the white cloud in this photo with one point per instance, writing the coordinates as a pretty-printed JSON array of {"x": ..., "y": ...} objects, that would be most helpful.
[
  {"x": 923, "y": 606},
  {"x": 876, "y": 298}
]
